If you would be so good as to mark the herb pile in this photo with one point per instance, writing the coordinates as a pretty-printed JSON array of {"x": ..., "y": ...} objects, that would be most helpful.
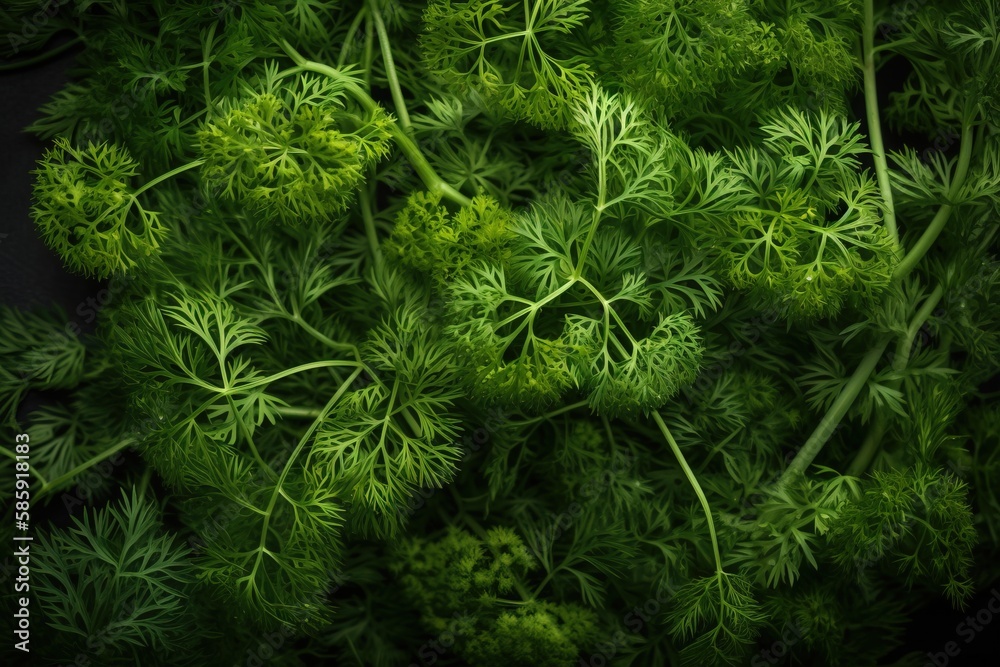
[{"x": 550, "y": 332}]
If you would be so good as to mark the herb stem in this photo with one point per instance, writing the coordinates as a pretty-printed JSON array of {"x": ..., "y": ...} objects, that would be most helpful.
[
  {"x": 269, "y": 512},
  {"x": 598, "y": 210},
  {"x": 350, "y": 37},
  {"x": 927, "y": 239},
  {"x": 54, "y": 484},
  {"x": 205, "y": 63},
  {"x": 370, "y": 232},
  {"x": 366, "y": 55},
  {"x": 170, "y": 174},
  {"x": 319, "y": 335},
  {"x": 289, "y": 411},
  {"x": 551, "y": 414},
  {"x": 292, "y": 371},
  {"x": 695, "y": 485},
  {"x": 41, "y": 57},
  {"x": 900, "y": 360},
  {"x": 874, "y": 121},
  {"x": 905, "y": 343},
  {"x": 144, "y": 481},
  {"x": 869, "y": 447},
  {"x": 834, "y": 414},
  {"x": 32, "y": 469},
  {"x": 416, "y": 158},
  {"x": 390, "y": 66}
]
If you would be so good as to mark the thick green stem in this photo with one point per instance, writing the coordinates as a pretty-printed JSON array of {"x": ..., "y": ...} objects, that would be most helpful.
[
  {"x": 423, "y": 168},
  {"x": 933, "y": 230},
  {"x": 874, "y": 121},
  {"x": 206, "y": 62},
  {"x": 833, "y": 416},
  {"x": 900, "y": 360},
  {"x": 147, "y": 474},
  {"x": 366, "y": 55},
  {"x": 319, "y": 335},
  {"x": 352, "y": 32},
  {"x": 417, "y": 160},
  {"x": 598, "y": 210},
  {"x": 693, "y": 481},
  {"x": 390, "y": 67},
  {"x": 370, "y": 232},
  {"x": 869, "y": 447}
]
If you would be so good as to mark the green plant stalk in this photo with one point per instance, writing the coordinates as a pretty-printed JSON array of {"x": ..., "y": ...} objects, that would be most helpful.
[
  {"x": 351, "y": 36},
  {"x": 900, "y": 360},
  {"x": 869, "y": 447},
  {"x": 290, "y": 411},
  {"x": 833, "y": 416},
  {"x": 31, "y": 469},
  {"x": 269, "y": 512},
  {"x": 55, "y": 484},
  {"x": 170, "y": 174},
  {"x": 598, "y": 210},
  {"x": 927, "y": 239},
  {"x": 42, "y": 57},
  {"x": 143, "y": 485},
  {"x": 370, "y": 232},
  {"x": 874, "y": 438},
  {"x": 367, "y": 57},
  {"x": 552, "y": 413},
  {"x": 206, "y": 61},
  {"x": 318, "y": 335},
  {"x": 417, "y": 160},
  {"x": 390, "y": 67},
  {"x": 695, "y": 485},
  {"x": 285, "y": 373},
  {"x": 903, "y": 269},
  {"x": 874, "y": 120}
]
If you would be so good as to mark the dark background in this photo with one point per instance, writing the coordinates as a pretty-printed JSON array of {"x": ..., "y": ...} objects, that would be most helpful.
[{"x": 32, "y": 276}]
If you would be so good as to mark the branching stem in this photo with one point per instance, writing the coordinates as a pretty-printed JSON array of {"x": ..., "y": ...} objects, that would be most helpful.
[
  {"x": 269, "y": 512},
  {"x": 410, "y": 149},
  {"x": 933, "y": 230}
]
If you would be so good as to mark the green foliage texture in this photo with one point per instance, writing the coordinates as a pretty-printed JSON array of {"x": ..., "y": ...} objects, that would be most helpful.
[{"x": 495, "y": 333}]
